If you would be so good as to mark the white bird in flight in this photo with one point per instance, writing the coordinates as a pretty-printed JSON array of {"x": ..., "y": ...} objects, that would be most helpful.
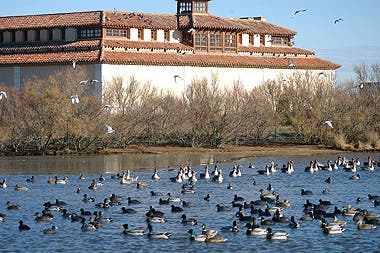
[
  {"x": 74, "y": 99},
  {"x": 110, "y": 130},
  {"x": 360, "y": 85},
  {"x": 338, "y": 20},
  {"x": 329, "y": 123},
  {"x": 3, "y": 95}
]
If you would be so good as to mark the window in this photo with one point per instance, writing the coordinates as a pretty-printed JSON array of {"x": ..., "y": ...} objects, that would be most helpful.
[
  {"x": 229, "y": 42},
  {"x": 200, "y": 7},
  {"x": 201, "y": 42},
  {"x": 167, "y": 36},
  {"x": 1, "y": 37},
  {"x": 38, "y": 36},
  {"x": 89, "y": 33},
  {"x": 185, "y": 7},
  {"x": 13, "y": 36},
  {"x": 215, "y": 42},
  {"x": 153, "y": 35},
  {"x": 141, "y": 34},
  {"x": 24, "y": 35},
  {"x": 116, "y": 33},
  {"x": 63, "y": 34},
  {"x": 50, "y": 34},
  {"x": 280, "y": 40}
]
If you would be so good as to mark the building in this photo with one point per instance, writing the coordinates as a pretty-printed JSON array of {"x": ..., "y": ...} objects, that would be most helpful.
[{"x": 165, "y": 50}]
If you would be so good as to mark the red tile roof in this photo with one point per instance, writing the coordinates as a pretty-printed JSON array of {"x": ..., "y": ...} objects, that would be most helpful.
[
  {"x": 210, "y": 22},
  {"x": 202, "y": 60},
  {"x": 42, "y": 58},
  {"x": 276, "y": 50},
  {"x": 139, "y": 20},
  {"x": 144, "y": 44},
  {"x": 263, "y": 27},
  {"x": 48, "y": 46},
  {"x": 73, "y": 19}
]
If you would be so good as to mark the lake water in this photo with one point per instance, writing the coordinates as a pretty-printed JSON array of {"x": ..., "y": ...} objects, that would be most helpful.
[{"x": 69, "y": 237}]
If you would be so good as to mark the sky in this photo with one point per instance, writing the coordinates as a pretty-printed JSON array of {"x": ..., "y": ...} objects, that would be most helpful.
[{"x": 353, "y": 41}]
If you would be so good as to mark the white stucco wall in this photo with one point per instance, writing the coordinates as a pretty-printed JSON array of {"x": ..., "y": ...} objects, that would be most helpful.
[
  {"x": 147, "y": 35},
  {"x": 160, "y": 36},
  {"x": 268, "y": 39},
  {"x": 134, "y": 34},
  {"x": 163, "y": 76},
  {"x": 245, "y": 40},
  {"x": 256, "y": 40}
]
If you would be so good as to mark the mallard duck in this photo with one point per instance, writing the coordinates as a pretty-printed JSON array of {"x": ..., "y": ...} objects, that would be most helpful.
[
  {"x": 13, "y": 206},
  {"x": 332, "y": 229},
  {"x": 276, "y": 235},
  {"x": 223, "y": 208},
  {"x": 303, "y": 192},
  {"x": 255, "y": 231},
  {"x": 20, "y": 188},
  {"x": 133, "y": 232},
  {"x": 86, "y": 227},
  {"x": 197, "y": 238},
  {"x": 188, "y": 221},
  {"x": 364, "y": 226},
  {"x": 49, "y": 231},
  {"x": 232, "y": 228},
  {"x": 158, "y": 235},
  {"x": 133, "y": 201},
  {"x": 293, "y": 223}
]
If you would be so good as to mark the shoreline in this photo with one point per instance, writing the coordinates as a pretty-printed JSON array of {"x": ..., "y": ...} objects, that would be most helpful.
[{"x": 254, "y": 151}]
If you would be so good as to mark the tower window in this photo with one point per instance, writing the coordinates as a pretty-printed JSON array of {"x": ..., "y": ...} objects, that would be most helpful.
[
  {"x": 200, "y": 7},
  {"x": 185, "y": 7}
]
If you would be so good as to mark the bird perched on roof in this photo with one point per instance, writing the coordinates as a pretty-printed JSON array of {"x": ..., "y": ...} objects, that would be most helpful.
[
  {"x": 329, "y": 123},
  {"x": 176, "y": 77},
  {"x": 74, "y": 63},
  {"x": 3, "y": 95},
  {"x": 291, "y": 63},
  {"x": 338, "y": 20},
  {"x": 110, "y": 130},
  {"x": 299, "y": 11},
  {"x": 74, "y": 99}
]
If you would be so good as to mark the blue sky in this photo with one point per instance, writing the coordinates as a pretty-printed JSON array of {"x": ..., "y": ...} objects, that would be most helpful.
[{"x": 355, "y": 40}]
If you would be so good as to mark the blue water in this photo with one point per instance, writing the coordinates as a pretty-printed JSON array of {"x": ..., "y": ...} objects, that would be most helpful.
[{"x": 308, "y": 238}]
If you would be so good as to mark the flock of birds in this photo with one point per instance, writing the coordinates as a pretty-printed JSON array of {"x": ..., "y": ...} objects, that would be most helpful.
[
  {"x": 297, "y": 12},
  {"x": 256, "y": 216}
]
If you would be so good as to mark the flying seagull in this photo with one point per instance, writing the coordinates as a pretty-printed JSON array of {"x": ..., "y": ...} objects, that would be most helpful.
[
  {"x": 74, "y": 99},
  {"x": 323, "y": 73},
  {"x": 110, "y": 130},
  {"x": 177, "y": 77},
  {"x": 3, "y": 95},
  {"x": 291, "y": 63},
  {"x": 84, "y": 82},
  {"x": 299, "y": 11},
  {"x": 338, "y": 20},
  {"x": 107, "y": 106},
  {"x": 329, "y": 123}
]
